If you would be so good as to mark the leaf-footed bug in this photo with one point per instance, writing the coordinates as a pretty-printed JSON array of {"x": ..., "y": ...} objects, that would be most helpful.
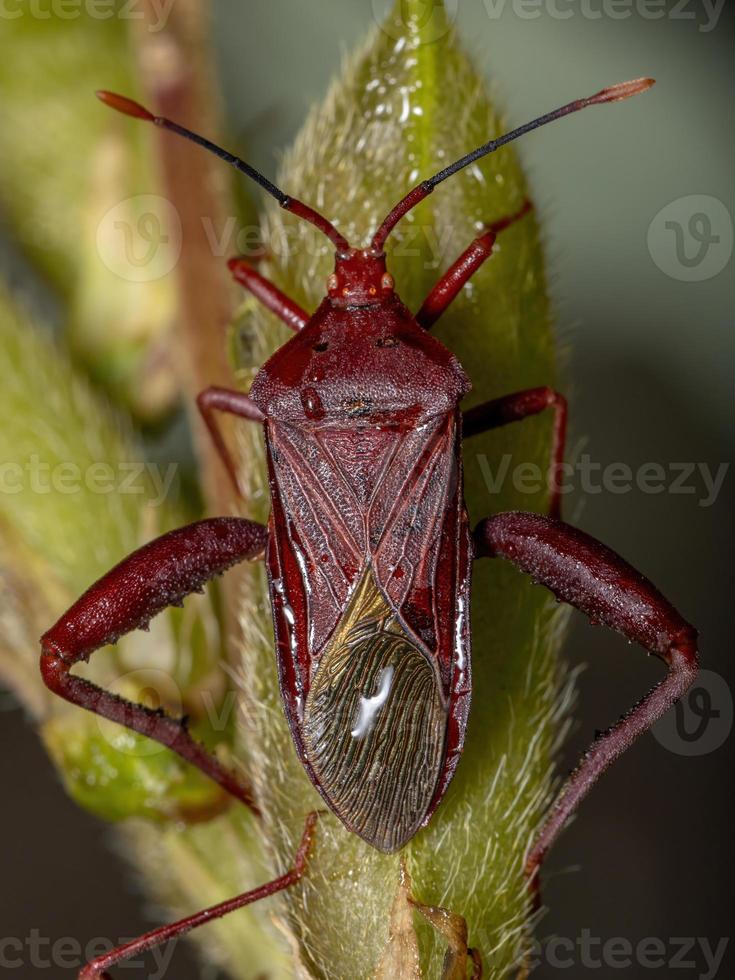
[{"x": 368, "y": 549}]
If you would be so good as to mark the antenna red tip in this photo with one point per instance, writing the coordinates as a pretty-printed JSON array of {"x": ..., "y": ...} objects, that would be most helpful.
[
  {"x": 623, "y": 90},
  {"x": 125, "y": 105}
]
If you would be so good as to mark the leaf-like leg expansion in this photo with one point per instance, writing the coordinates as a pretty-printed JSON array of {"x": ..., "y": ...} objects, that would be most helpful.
[
  {"x": 269, "y": 295},
  {"x": 158, "y": 575},
  {"x": 96, "y": 969},
  {"x": 594, "y": 579},
  {"x": 233, "y": 403},
  {"x": 449, "y": 286},
  {"x": 516, "y": 407}
]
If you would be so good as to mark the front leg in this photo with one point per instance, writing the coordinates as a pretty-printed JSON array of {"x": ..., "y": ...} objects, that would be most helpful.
[
  {"x": 522, "y": 405},
  {"x": 269, "y": 295},
  {"x": 592, "y": 578},
  {"x": 158, "y": 575},
  {"x": 451, "y": 283}
]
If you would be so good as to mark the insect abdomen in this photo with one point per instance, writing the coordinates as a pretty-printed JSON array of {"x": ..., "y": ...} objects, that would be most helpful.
[{"x": 374, "y": 723}]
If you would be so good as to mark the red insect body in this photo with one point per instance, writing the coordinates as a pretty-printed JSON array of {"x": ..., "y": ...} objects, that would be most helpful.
[
  {"x": 363, "y": 438},
  {"x": 369, "y": 552}
]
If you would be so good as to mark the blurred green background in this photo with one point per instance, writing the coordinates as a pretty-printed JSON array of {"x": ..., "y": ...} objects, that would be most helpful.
[{"x": 648, "y": 366}]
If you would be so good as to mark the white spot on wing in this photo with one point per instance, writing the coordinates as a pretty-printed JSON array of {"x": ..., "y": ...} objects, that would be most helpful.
[{"x": 368, "y": 709}]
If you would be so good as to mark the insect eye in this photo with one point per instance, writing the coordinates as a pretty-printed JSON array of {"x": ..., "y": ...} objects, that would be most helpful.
[
  {"x": 373, "y": 291},
  {"x": 387, "y": 282},
  {"x": 345, "y": 291}
]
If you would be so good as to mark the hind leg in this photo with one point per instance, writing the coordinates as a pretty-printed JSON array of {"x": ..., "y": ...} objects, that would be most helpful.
[
  {"x": 96, "y": 970},
  {"x": 592, "y": 578}
]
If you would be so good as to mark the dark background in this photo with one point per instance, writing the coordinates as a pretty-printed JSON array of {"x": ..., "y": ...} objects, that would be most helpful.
[{"x": 650, "y": 374}]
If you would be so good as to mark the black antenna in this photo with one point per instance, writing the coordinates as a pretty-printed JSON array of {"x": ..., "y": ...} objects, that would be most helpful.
[
  {"x": 616, "y": 93},
  {"x": 130, "y": 108}
]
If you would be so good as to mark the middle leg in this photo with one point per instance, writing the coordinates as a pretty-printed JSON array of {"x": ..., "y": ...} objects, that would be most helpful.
[
  {"x": 522, "y": 405},
  {"x": 232, "y": 402}
]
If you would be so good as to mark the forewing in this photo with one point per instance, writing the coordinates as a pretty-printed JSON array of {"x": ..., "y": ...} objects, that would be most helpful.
[{"x": 415, "y": 526}]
